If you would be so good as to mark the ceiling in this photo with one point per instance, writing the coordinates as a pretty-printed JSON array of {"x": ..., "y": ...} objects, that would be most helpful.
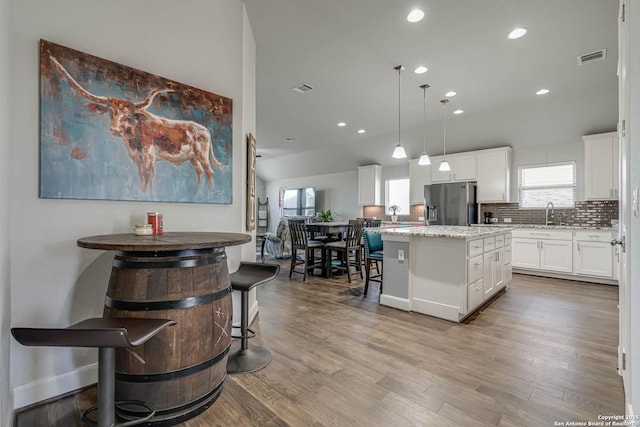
[{"x": 347, "y": 50}]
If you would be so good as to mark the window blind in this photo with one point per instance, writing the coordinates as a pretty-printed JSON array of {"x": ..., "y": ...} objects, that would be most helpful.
[{"x": 541, "y": 184}]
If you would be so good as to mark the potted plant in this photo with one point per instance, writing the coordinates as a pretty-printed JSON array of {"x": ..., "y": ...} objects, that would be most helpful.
[
  {"x": 326, "y": 216},
  {"x": 394, "y": 209}
]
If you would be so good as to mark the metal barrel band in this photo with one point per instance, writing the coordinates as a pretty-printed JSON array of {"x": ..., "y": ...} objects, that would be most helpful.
[
  {"x": 129, "y": 413},
  {"x": 179, "y": 373},
  {"x": 184, "y": 259},
  {"x": 166, "y": 305}
]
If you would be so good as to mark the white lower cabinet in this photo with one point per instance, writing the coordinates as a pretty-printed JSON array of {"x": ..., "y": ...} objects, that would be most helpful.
[
  {"x": 486, "y": 268},
  {"x": 525, "y": 253},
  {"x": 593, "y": 254},
  {"x": 579, "y": 253},
  {"x": 493, "y": 271},
  {"x": 556, "y": 255},
  {"x": 475, "y": 294},
  {"x": 546, "y": 251}
]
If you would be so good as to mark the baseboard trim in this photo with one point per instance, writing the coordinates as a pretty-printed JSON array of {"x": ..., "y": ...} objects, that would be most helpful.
[
  {"x": 9, "y": 419},
  {"x": 46, "y": 388},
  {"x": 577, "y": 278},
  {"x": 395, "y": 302}
]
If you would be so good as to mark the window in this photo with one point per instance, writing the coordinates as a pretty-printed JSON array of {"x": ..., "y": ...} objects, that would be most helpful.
[
  {"x": 541, "y": 184},
  {"x": 397, "y": 193}
]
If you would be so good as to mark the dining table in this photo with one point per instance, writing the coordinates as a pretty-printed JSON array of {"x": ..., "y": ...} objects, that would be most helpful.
[{"x": 333, "y": 230}]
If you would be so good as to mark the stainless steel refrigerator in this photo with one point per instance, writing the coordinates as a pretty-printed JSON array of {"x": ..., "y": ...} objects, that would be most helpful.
[{"x": 452, "y": 203}]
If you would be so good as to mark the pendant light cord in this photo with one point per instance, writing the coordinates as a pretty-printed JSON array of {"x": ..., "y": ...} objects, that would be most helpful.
[
  {"x": 424, "y": 119},
  {"x": 444, "y": 127},
  {"x": 399, "y": 71}
]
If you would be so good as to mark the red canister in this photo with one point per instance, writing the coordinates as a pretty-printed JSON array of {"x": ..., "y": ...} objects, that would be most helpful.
[{"x": 155, "y": 219}]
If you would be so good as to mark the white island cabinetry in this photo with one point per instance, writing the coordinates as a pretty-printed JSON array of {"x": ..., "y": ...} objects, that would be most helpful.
[{"x": 451, "y": 270}]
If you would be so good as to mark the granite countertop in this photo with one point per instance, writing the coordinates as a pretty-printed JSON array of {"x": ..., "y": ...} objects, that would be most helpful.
[
  {"x": 449, "y": 231},
  {"x": 557, "y": 227}
]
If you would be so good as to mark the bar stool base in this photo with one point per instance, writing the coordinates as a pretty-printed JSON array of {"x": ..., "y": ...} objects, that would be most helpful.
[{"x": 248, "y": 360}]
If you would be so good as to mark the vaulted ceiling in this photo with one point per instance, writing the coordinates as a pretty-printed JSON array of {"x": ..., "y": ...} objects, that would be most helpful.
[{"x": 347, "y": 50}]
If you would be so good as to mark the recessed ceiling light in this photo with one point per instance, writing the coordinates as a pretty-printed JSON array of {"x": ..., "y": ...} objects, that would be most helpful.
[
  {"x": 542, "y": 92},
  {"x": 421, "y": 70},
  {"x": 361, "y": 131},
  {"x": 415, "y": 15},
  {"x": 289, "y": 139},
  {"x": 450, "y": 94},
  {"x": 458, "y": 112},
  {"x": 517, "y": 33},
  {"x": 342, "y": 124}
]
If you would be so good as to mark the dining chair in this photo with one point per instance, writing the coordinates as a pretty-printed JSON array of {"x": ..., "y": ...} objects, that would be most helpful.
[
  {"x": 344, "y": 249},
  {"x": 373, "y": 254},
  {"x": 300, "y": 242}
]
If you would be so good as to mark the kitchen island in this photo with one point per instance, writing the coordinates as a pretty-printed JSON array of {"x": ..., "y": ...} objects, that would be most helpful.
[{"x": 444, "y": 271}]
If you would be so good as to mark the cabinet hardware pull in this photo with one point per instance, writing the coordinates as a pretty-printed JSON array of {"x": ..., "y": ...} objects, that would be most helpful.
[{"x": 578, "y": 247}]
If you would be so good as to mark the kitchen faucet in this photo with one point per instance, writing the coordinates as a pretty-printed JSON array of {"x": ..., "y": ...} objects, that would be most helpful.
[{"x": 546, "y": 214}]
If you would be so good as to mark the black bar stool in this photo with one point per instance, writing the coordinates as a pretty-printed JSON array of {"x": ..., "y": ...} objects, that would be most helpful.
[
  {"x": 248, "y": 276},
  {"x": 106, "y": 334}
]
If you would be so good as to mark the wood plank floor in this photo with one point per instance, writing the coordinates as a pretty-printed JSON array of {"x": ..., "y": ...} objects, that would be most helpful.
[{"x": 544, "y": 351}]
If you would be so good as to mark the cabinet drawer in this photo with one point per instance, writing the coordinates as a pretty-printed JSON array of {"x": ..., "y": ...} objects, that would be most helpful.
[
  {"x": 500, "y": 241},
  {"x": 593, "y": 236},
  {"x": 489, "y": 243},
  {"x": 474, "y": 269},
  {"x": 542, "y": 233},
  {"x": 475, "y": 295},
  {"x": 474, "y": 247}
]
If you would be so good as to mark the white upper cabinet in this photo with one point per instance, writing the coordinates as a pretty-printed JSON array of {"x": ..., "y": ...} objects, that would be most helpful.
[
  {"x": 419, "y": 176},
  {"x": 494, "y": 175},
  {"x": 370, "y": 185},
  {"x": 463, "y": 167},
  {"x": 601, "y": 166}
]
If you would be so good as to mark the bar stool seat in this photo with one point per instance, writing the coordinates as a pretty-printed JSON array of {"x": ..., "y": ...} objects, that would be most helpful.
[
  {"x": 248, "y": 276},
  {"x": 106, "y": 334}
]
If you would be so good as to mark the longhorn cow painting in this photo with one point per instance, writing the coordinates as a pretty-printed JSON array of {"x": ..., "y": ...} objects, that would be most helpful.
[{"x": 111, "y": 132}]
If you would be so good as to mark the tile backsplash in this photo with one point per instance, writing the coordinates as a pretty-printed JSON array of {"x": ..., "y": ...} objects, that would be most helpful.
[
  {"x": 415, "y": 212},
  {"x": 597, "y": 213}
]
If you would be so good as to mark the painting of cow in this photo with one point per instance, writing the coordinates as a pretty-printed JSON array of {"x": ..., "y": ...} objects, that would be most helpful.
[{"x": 113, "y": 132}]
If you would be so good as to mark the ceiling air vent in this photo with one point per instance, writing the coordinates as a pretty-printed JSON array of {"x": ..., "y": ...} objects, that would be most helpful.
[
  {"x": 302, "y": 88},
  {"x": 589, "y": 58}
]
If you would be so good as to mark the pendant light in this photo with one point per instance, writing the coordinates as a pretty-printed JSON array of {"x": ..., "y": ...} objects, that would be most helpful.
[
  {"x": 398, "y": 152},
  {"x": 424, "y": 159},
  {"x": 444, "y": 165}
]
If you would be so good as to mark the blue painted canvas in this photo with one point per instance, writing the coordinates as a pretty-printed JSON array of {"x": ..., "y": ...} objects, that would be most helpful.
[{"x": 112, "y": 132}]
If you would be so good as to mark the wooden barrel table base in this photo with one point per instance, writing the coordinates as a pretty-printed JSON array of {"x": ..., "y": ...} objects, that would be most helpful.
[{"x": 186, "y": 365}]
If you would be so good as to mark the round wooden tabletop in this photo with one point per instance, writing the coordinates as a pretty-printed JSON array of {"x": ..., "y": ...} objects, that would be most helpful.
[{"x": 170, "y": 241}]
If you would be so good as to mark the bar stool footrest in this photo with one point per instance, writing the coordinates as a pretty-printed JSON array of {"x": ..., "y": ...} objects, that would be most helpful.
[
  {"x": 122, "y": 413},
  {"x": 250, "y": 333}
]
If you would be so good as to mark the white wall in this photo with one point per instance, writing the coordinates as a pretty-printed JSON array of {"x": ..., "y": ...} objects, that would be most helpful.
[
  {"x": 5, "y": 147},
  {"x": 54, "y": 283},
  {"x": 337, "y": 191},
  {"x": 633, "y": 233}
]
